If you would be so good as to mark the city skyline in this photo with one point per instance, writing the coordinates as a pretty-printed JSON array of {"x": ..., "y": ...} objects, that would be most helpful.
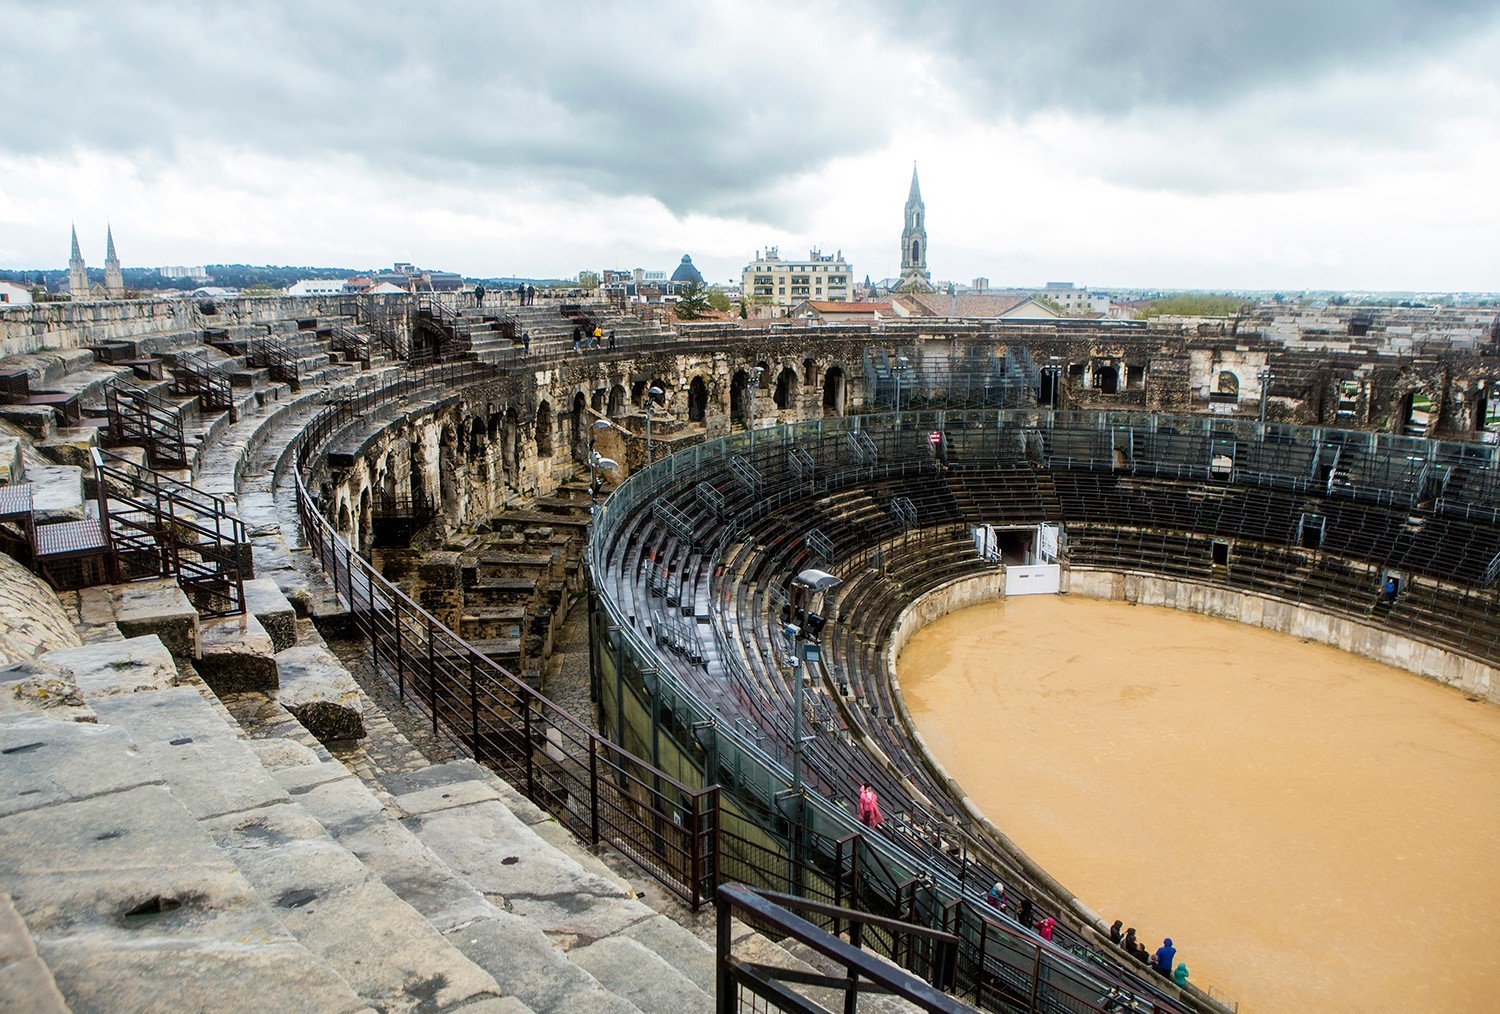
[{"x": 1171, "y": 146}]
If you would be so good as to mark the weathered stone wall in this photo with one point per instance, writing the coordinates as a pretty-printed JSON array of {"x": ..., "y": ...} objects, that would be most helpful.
[
  {"x": 31, "y": 619},
  {"x": 1466, "y": 674},
  {"x": 66, "y": 325}
]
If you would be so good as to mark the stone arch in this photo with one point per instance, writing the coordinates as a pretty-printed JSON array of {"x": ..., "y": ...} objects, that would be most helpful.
[
  {"x": 477, "y": 439},
  {"x": 597, "y": 400},
  {"x": 544, "y": 430},
  {"x": 810, "y": 372},
  {"x": 1227, "y": 385},
  {"x": 835, "y": 392},
  {"x": 346, "y": 521},
  {"x": 697, "y": 400},
  {"x": 786, "y": 388},
  {"x": 616, "y": 407},
  {"x": 916, "y": 251},
  {"x": 1107, "y": 379}
]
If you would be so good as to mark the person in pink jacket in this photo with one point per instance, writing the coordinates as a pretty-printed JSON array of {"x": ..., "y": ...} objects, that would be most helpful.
[
  {"x": 1045, "y": 927},
  {"x": 869, "y": 807}
]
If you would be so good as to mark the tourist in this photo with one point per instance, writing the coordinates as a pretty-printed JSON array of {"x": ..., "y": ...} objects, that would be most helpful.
[
  {"x": 479, "y": 295},
  {"x": 1023, "y": 915},
  {"x": 525, "y": 342},
  {"x": 1180, "y": 976},
  {"x": 869, "y": 807},
  {"x": 1045, "y": 927},
  {"x": 1114, "y": 931},
  {"x": 611, "y": 337},
  {"x": 1129, "y": 942},
  {"x": 577, "y": 338},
  {"x": 996, "y": 897},
  {"x": 1164, "y": 955}
]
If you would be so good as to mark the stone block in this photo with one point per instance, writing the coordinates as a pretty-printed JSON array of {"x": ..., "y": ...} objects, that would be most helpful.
[
  {"x": 12, "y": 468},
  {"x": 56, "y": 492},
  {"x": 118, "y": 667},
  {"x": 25, "y": 980},
  {"x": 32, "y": 685},
  {"x": 49, "y": 762},
  {"x": 157, "y": 607},
  {"x": 31, "y": 619},
  {"x": 72, "y": 446},
  {"x": 263, "y": 599},
  {"x": 318, "y": 690},
  {"x": 38, "y": 421},
  {"x": 235, "y": 654}
]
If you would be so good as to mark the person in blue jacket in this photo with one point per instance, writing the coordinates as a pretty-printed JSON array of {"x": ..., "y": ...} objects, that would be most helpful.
[{"x": 1164, "y": 955}]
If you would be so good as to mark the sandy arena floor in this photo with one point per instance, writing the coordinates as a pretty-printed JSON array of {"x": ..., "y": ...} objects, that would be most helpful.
[{"x": 1315, "y": 830}]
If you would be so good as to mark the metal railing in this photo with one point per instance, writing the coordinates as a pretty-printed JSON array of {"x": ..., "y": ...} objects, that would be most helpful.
[
  {"x": 599, "y": 791},
  {"x": 858, "y": 971}
]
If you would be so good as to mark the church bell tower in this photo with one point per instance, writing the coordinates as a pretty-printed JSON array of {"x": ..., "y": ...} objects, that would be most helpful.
[
  {"x": 78, "y": 276},
  {"x": 914, "y": 274}
]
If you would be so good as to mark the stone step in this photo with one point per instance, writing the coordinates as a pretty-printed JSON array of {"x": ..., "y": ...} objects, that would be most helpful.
[
  {"x": 387, "y": 952},
  {"x": 26, "y": 983},
  {"x": 521, "y": 958},
  {"x": 129, "y": 903},
  {"x": 508, "y": 848}
]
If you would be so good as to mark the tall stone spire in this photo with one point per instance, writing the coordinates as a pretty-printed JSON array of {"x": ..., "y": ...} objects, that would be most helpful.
[
  {"x": 78, "y": 276},
  {"x": 114, "y": 280},
  {"x": 914, "y": 274}
]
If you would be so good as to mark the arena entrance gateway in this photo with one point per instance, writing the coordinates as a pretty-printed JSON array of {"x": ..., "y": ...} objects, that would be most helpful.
[{"x": 1028, "y": 554}]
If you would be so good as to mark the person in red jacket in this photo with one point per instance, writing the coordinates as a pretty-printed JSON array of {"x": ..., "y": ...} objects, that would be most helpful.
[
  {"x": 1045, "y": 927},
  {"x": 869, "y": 807}
]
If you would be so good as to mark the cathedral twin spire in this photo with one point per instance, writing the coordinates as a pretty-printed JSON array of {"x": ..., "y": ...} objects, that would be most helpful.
[{"x": 78, "y": 276}]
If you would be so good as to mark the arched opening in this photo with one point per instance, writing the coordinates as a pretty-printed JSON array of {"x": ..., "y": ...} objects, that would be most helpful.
[
  {"x": 638, "y": 393},
  {"x": 418, "y": 473},
  {"x": 1416, "y": 414},
  {"x": 786, "y": 388},
  {"x": 810, "y": 372},
  {"x": 697, "y": 400},
  {"x": 739, "y": 398},
  {"x": 1049, "y": 394},
  {"x": 578, "y": 429},
  {"x": 346, "y": 521},
  {"x": 916, "y": 251},
  {"x": 597, "y": 400},
  {"x": 833, "y": 391},
  {"x": 477, "y": 440},
  {"x": 616, "y": 401},
  {"x": 544, "y": 430},
  {"x": 510, "y": 447},
  {"x": 1227, "y": 388},
  {"x": 1107, "y": 379},
  {"x": 448, "y": 470}
]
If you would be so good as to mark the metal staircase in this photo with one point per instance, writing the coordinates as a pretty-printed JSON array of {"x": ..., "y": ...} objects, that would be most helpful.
[
  {"x": 160, "y": 527},
  {"x": 193, "y": 374},
  {"x": 140, "y": 418}
]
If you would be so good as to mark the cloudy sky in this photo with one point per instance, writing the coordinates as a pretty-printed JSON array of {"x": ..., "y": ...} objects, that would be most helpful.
[{"x": 1161, "y": 143}]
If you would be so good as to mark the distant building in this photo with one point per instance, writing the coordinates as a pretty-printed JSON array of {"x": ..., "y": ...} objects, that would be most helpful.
[
  {"x": 440, "y": 281},
  {"x": 914, "y": 274},
  {"x": 14, "y": 293},
  {"x": 832, "y": 312},
  {"x": 114, "y": 279},
  {"x": 686, "y": 273},
  {"x": 1075, "y": 301},
  {"x": 786, "y": 283},
  {"x": 318, "y": 287},
  {"x": 78, "y": 274},
  {"x": 997, "y": 305},
  {"x": 197, "y": 273}
]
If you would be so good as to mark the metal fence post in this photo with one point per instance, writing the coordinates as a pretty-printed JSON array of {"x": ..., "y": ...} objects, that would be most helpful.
[
  {"x": 593, "y": 791},
  {"x": 474, "y": 702},
  {"x": 432, "y": 675}
]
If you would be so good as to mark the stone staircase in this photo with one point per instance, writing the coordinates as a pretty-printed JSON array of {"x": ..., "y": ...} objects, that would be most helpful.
[{"x": 157, "y": 856}]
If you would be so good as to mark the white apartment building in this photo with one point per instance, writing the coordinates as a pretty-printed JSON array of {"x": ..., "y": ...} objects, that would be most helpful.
[
  {"x": 787, "y": 283},
  {"x": 1073, "y": 299},
  {"x": 14, "y": 293}
]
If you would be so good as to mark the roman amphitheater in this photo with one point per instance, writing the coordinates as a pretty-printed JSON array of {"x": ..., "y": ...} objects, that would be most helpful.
[{"x": 361, "y": 658}]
